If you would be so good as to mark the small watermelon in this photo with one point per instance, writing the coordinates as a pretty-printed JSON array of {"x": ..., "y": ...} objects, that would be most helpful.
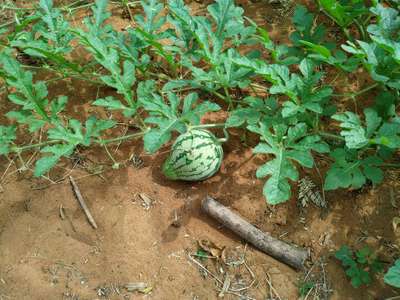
[{"x": 195, "y": 155}]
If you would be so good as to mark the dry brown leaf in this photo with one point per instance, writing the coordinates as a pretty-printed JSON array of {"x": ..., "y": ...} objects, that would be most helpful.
[
  {"x": 395, "y": 223},
  {"x": 211, "y": 248}
]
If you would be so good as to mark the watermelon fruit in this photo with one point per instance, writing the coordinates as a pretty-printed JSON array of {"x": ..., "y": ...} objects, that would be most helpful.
[{"x": 196, "y": 155}]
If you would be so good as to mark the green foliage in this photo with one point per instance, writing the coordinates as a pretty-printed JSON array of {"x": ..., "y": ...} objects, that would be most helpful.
[
  {"x": 152, "y": 23},
  {"x": 360, "y": 265},
  {"x": 32, "y": 97},
  {"x": 381, "y": 56},
  {"x": 333, "y": 57},
  {"x": 303, "y": 22},
  {"x": 208, "y": 39},
  {"x": 279, "y": 53},
  {"x": 352, "y": 168},
  {"x": 305, "y": 288},
  {"x": 375, "y": 131},
  {"x": 50, "y": 37},
  {"x": 53, "y": 27},
  {"x": 306, "y": 98},
  {"x": 99, "y": 41},
  {"x": 392, "y": 277},
  {"x": 37, "y": 111},
  {"x": 286, "y": 144},
  {"x": 7, "y": 136},
  {"x": 309, "y": 40},
  {"x": 149, "y": 30},
  {"x": 349, "y": 171},
  {"x": 100, "y": 15},
  {"x": 70, "y": 135},
  {"x": 252, "y": 111},
  {"x": 344, "y": 12},
  {"x": 168, "y": 117},
  {"x": 173, "y": 67}
]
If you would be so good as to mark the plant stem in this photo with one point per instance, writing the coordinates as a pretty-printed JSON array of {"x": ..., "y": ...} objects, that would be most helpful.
[
  {"x": 23, "y": 167},
  {"x": 225, "y": 138},
  {"x": 259, "y": 87},
  {"x": 331, "y": 136},
  {"x": 62, "y": 8},
  {"x": 72, "y": 4},
  {"x": 65, "y": 75},
  {"x": 355, "y": 94},
  {"x": 366, "y": 89},
  {"x": 159, "y": 76},
  {"x": 360, "y": 29},
  {"x": 228, "y": 97},
  {"x": 20, "y": 149},
  {"x": 347, "y": 33},
  {"x": 29, "y": 147},
  {"x": 122, "y": 138},
  {"x": 79, "y": 7},
  {"x": 115, "y": 163},
  {"x": 86, "y": 79},
  {"x": 126, "y": 5},
  {"x": 218, "y": 95},
  {"x": 217, "y": 125},
  {"x": 17, "y": 8},
  {"x": 390, "y": 165}
]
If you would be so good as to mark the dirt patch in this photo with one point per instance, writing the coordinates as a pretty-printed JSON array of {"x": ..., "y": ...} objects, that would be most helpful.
[
  {"x": 47, "y": 256},
  {"x": 42, "y": 254}
]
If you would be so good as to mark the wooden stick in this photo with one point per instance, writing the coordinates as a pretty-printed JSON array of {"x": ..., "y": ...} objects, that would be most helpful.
[
  {"x": 82, "y": 202},
  {"x": 284, "y": 252}
]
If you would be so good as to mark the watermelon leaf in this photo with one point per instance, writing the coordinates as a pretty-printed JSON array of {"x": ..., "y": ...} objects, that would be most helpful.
[
  {"x": 70, "y": 136},
  {"x": 152, "y": 21},
  {"x": 303, "y": 22},
  {"x": 169, "y": 117},
  {"x": 359, "y": 265},
  {"x": 381, "y": 57},
  {"x": 350, "y": 171},
  {"x": 210, "y": 39},
  {"x": 252, "y": 111},
  {"x": 54, "y": 27},
  {"x": 7, "y": 136},
  {"x": 113, "y": 104},
  {"x": 305, "y": 96},
  {"x": 353, "y": 131},
  {"x": 149, "y": 30},
  {"x": 45, "y": 163},
  {"x": 29, "y": 95},
  {"x": 344, "y": 12},
  {"x": 375, "y": 131},
  {"x": 100, "y": 41},
  {"x": 392, "y": 277},
  {"x": 287, "y": 145}
]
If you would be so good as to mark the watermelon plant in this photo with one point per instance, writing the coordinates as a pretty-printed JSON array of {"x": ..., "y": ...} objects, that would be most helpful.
[
  {"x": 345, "y": 13},
  {"x": 360, "y": 265},
  {"x": 170, "y": 67}
]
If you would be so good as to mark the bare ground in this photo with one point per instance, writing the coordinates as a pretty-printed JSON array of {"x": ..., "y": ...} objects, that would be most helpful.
[{"x": 47, "y": 256}]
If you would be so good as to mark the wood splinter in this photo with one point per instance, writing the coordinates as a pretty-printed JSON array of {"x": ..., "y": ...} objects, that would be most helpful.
[
  {"x": 82, "y": 202},
  {"x": 282, "y": 251}
]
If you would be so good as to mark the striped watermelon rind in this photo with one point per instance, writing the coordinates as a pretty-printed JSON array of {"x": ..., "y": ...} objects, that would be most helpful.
[{"x": 196, "y": 155}]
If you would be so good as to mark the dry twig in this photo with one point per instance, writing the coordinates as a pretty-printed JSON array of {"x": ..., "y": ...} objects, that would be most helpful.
[
  {"x": 205, "y": 269},
  {"x": 62, "y": 212},
  {"x": 271, "y": 288},
  {"x": 82, "y": 203}
]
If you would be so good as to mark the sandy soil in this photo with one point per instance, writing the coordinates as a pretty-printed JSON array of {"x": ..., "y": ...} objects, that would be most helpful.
[{"x": 48, "y": 250}]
